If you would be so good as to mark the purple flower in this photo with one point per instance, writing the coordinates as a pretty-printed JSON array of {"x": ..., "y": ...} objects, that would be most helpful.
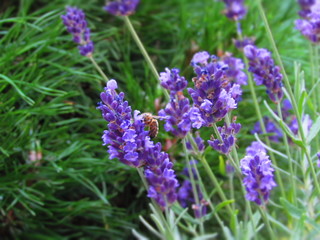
[
  {"x": 271, "y": 127},
  {"x": 177, "y": 111},
  {"x": 172, "y": 81},
  {"x": 318, "y": 162},
  {"x": 176, "y": 115},
  {"x": 235, "y": 9},
  {"x": 129, "y": 142},
  {"x": 126, "y": 138},
  {"x": 305, "y": 7},
  {"x": 228, "y": 138},
  {"x": 258, "y": 179},
  {"x": 122, "y": 7},
  {"x": 199, "y": 141},
  {"x": 264, "y": 71},
  {"x": 160, "y": 177},
  {"x": 200, "y": 58},
  {"x": 235, "y": 69},
  {"x": 310, "y": 27},
  {"x": 240, "y": 44},
  {"x": 76, "y": 24},
  {"x": 211, "y": 95},
  {"x": 254, "y": 148}
]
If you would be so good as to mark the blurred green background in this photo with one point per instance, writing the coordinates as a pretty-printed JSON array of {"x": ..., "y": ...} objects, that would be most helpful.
[{"x": 49, "y": 94}]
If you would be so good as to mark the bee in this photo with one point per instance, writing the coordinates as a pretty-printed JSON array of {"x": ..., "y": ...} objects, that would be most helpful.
[{"x": 152, "y": 122}]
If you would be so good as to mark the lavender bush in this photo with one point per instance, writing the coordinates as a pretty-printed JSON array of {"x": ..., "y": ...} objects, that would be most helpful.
[{"x": 286, "y": 147}]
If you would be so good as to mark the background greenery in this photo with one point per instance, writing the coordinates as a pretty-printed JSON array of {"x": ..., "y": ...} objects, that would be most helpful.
[{"x": 48, "y": 96}]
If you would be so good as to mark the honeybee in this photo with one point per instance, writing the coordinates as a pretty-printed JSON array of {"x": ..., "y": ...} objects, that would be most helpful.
[{"x": 152, "y": 122}]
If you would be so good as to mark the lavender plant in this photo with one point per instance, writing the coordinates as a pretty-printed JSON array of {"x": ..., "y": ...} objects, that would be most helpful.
[{"x": 218, "y": 88}]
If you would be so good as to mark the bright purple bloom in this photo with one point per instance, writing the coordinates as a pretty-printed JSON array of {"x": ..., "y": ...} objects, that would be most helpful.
[
  {"x": 160, "y": 177},
  {"x": 310, "y": 27},
  {"x": 200, "y": 58},
  {"x": 177, "y": 111},
  {"x": 211, "y": 94},
  {"x": 227, "y": 134},
  {"x": 258, "y": 179},
  {"x": 265, "y": 71},
  {"x": 305, "y": 7},
  {"x": 122, "y": 7},
  {"x": 318, "y": 162},
  {"x": 271, "y": 128},
  {"x": 75, "y": 21},
  {"x": 129, "y": 142},
  {"x": 254, "y": 148},
  {"x": 177, "y": 116},
  {"x": 172, "y": 81},
  {"x": 125, "y": 137},
  {"x": 235, "y": 9},
  {"x": 235, "y": 69}
]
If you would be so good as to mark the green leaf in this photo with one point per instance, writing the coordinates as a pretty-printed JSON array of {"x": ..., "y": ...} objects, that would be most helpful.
[{"x": 223, "y": 204}]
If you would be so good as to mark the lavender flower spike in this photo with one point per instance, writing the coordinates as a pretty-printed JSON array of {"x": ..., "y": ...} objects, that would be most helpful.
[
  {"x": 172, "y": 81},
  {"x": 305, "y": 7},
  {"x": 212, "y": 94},
  {"x": 310, "y": 26},
  {"x": 178, "y": 111},
  {"x": 122, "y": 7},
  {"x": 235, "y": 9},
  {"x": 76, "y": 24},
  {"x": 126, "y": 138},
  {"x": 227, "y": 134},
  {"x": 161, "y": 177},
  {"x": 265, "y": 71},
  {"x": 258, "y": 172},
  {"x": 318, "y": 162}
]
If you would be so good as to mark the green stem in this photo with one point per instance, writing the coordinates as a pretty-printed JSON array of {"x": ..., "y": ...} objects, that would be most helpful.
[
  {"x": 143, "y": 51},
  {"x": 193, "y": 184},
  {"x": 267, "y": 222},
  {"x": 219, "y": 189},
  {"x": 99, "y": 69},
  {"x": 285, "y": 139}
]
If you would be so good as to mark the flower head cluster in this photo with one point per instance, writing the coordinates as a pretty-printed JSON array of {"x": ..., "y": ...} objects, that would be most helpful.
[
  {"x": 129, "y": 142},
  {"x": 310, "y": 27},
  {"x": 258, "y": 172},
  {"x": 186, "y": 196},
  {"x": 160, "y": 176},
  {"x": 76, "y": 24},
  {"x": 235, "y": 69},
  {"x": 228, "y": 138},
  {"x": 122, "y": 7},
  {"x": 178, "y": 113},
  {"x": 235, "y": 9},
  {"x": 318, "y": 162},
  {"x": 212, "y": 95},
  {"x": 305, "y": 7},
  {"x": 172, "y": 81},
  {"x": 265, "y": 71}
]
